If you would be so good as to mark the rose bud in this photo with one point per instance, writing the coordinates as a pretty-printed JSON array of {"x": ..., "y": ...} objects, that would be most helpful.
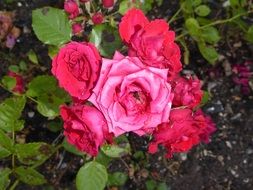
[
  {"x": 77, "y": 28},
  {"x": 71, "y": 7},
  {"x": 97, "y": 18},
  {"x": 19, "y": 87},
  {"x": 108, "y": 3}
]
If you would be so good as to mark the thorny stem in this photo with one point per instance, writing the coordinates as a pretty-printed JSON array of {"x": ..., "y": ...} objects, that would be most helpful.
[
  {"x": 216, "y": 23},
  {"x": 175, "y": 15},
  {"x": 14, "y": 185}
]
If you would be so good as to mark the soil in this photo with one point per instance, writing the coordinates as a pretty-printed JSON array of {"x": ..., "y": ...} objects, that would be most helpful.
[{"x": 223, "y": 164}]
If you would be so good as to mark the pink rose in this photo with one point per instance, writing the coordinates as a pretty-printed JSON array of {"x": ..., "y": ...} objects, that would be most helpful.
[
  {"x": 152, "y": 42},
  {"x": 132, "y": 96},
  {"x": 19, "y": 87},
  {"x": 76, "y": 67},
  {"x": 97, "y": 18},
  {"x": 85, "y": 127},
  {"x": 187, "y": 92},
  {"x": 183, "y": 131},
  {"x": 71, "y": 7}
]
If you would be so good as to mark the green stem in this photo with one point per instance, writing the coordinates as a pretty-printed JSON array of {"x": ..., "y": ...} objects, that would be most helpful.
[
  {"x": 216, "y": 23},
  {"x": 54, "y": 151},
  {"x": 14, "y": 185},
  {"x": 175, "y": 15}
]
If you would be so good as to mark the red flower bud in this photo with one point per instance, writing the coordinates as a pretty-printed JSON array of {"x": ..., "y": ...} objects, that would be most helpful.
[
  {"x": 84, "y": 1},
  {"x": 71, "y": 7},
  {"x": 76, "y": 28},
  {"x": 108, "y": 3},
  {"x": 97, "y": 18}
]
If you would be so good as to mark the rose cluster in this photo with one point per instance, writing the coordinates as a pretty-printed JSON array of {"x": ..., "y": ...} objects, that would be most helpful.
[{"x": 141, "y": 93}]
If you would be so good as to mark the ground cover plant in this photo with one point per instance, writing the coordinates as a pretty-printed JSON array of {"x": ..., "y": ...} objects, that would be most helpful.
[{"x": 121, "y": 94}]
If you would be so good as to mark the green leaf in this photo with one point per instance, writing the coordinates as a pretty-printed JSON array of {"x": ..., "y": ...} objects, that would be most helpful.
[
  {"x": 91, "y": 176},
  {"x": 124, "y": 6},
  {"x": 52, "y": 51},
  {"x": 192, "y": 26},
  {"x": 9, "y": 82},
  {"x": 6, "y": 145},
  {"x": 14, "y": 68},
  {"x": 23, "y": 65},
  {"x": 4, "y": 178},
  {"x": 117, "y": 179},
  {"x": 33, "y": 153},
  {"x": 196, "y": 2},
  {"x": 29, "y": 176},
  {"x": 121, "y": 148},
  {"x": 51, "y": 25},
  {"x": 202, "y": 10},
  {"x": 33, "y": 57},
  {"x": 10, "y": 111},
  {"x": 106, "y": 39},
  {"x": 103, "y": 159},
  {"x": 48, "y": 94},
  {"x": 145, "y": 5},
  {"x": 249, "y": 34},
  {"x": 71, "y": 148},
  {"x": 209, "y": 53},
  {"x": 162, "y": 186},
  {"x": 205, "y": 98},
  {"x": 234, "y": 3},
  {"x": 150, "y": 184},
  {"x": 210, "y": 35},
  {"x": 115, "y": 151}
]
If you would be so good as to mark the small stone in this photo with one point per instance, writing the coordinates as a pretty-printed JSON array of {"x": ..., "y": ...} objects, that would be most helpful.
[
  {"x": 249, "y": 151},
  {"x": 229, "y": 145},
  {"x": 246, "y": 180},
  {"x": 183, "y": 156},
  {"x": 30, "y": 114},
  {"x": 238, "y": 44},
  {"x": 233, "y": 172}
]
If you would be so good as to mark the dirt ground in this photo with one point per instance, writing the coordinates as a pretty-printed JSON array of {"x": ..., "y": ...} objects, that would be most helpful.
[{"x": 223, "y": 164}]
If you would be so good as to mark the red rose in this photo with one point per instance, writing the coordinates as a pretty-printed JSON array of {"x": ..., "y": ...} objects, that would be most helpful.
[
  {"x": 182, "y": 132},
  {"x": 210, "y": 128},
  {"x": 19, "y": 87},
  {"x": 85, "y": 127},
  {"x": 84, "y": 1},
  {"x": 152, "y": 42},
  {"x": 97, "y": 18},
  {"x": 76, "y": 67},
  {"x": 132, "y": 96},
  {"x": 71, "y": 7},
  {"x": 108, "y": 3},
  {"x": 187, "y": 92}
]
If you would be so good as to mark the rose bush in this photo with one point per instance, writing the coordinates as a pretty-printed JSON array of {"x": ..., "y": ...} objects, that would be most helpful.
[
  {"x": 77, "y": 67},
  {"x": 132, "y": 96}
]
